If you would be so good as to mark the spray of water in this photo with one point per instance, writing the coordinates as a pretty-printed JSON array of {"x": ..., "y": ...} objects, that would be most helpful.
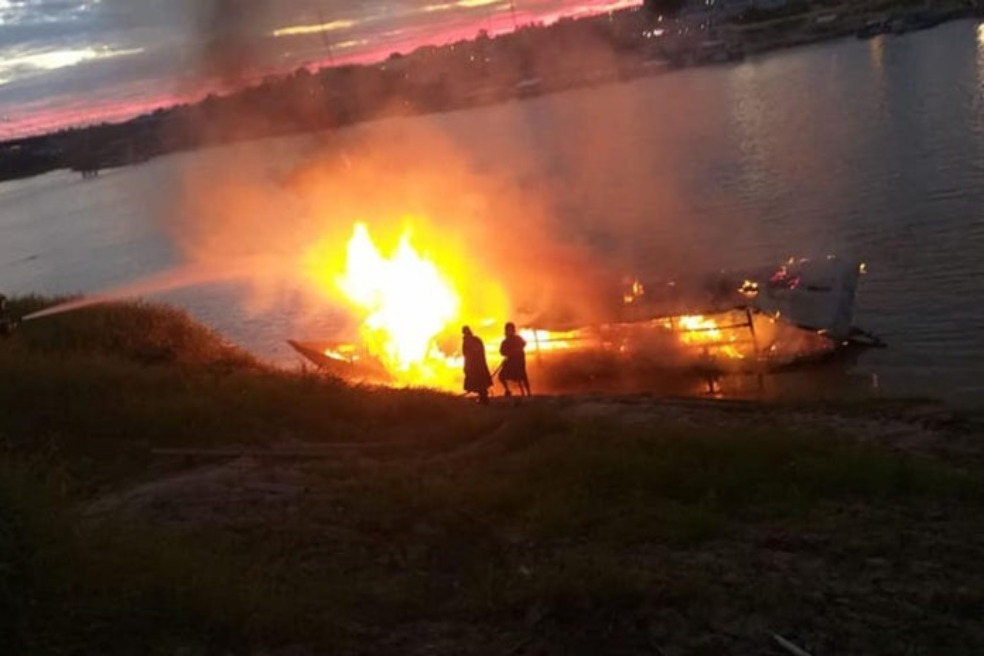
[{"x": 177, "y": 278}]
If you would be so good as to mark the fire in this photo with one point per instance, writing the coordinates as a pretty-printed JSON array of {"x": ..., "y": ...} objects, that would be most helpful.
[
  {"x": 410, "y": 304},
  {"x": 407, "y": 300},
  {"x": 635, "y": 291},
  {"x": 701, "y": 331},
  {"x": 550, "y": 340},
  {"x": 698, "y": 329},
  {"x": 749, "y": 289},
  {"x": 343, "y": 353}
]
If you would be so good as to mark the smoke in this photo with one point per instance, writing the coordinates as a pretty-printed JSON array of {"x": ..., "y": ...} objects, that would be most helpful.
[
  {"x": 269, "y": 203},
  {"x": 520, "y": 212},
  {"x": 230, "y": 32},
  {"x": 552, "y": 202},
  {"x": 513, "y": 222}
]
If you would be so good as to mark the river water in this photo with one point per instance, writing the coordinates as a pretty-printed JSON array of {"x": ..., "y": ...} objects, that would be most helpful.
[{"x": 868, "y": 149}]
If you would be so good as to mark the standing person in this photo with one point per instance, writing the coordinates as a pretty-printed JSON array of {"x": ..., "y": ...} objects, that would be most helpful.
[
  {"x": 513, "y": 350},
  {"x": 478, "y": 380}
]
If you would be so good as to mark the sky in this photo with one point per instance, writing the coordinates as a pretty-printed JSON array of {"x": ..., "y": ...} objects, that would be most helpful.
[{"x": 72, "y": 62}]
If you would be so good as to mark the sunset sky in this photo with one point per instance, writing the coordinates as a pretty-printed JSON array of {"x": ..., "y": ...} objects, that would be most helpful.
[{"x": 68, "y": 62}]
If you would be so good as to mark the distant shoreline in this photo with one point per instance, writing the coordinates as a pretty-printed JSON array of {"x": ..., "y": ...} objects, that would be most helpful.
[{"x": 432, "y": 81}]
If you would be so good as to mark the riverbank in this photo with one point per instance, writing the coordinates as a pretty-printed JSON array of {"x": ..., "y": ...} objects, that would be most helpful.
[{"x": 162, "y": 492}]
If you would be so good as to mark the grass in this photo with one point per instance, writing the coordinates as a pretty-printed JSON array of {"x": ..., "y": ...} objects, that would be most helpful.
[
  {"x": 472, "y": 530},
  {"x": 74, "y": 588},
  {"x": 87, "y": 389},
  {"x": 134, "y": 331}
]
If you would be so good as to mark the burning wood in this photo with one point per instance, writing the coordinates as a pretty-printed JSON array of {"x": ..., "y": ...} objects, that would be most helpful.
[
  {"x": 411, "y": 304},
  {"x": 407, "y": 301}
]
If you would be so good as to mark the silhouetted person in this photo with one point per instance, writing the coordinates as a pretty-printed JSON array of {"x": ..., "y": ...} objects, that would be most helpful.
[
  {"x": 478, "y": 380},
  {"x": 513, "y": 351}
]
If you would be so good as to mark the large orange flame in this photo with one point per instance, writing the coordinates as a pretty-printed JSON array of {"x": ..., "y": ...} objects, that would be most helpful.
[
  {"x": 407, "y": 300},
  {"x": 411, "y": 303},
  {"x": 705, "y": 332}
]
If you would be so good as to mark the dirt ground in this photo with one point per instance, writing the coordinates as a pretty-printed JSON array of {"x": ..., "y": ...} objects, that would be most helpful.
[{"x": 857, "y": 577}]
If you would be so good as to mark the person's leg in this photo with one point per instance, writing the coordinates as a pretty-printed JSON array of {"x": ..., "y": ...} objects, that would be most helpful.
[
  {"x": 483, "y": 397},
  {"x": 505, "y": 385}
]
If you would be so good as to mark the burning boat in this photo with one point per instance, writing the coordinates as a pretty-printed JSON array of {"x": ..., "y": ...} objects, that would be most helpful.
[{"x": 752, "y": 322}]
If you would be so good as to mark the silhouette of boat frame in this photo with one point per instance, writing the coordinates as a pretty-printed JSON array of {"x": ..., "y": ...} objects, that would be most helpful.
[{"x": 775, "y": 319}]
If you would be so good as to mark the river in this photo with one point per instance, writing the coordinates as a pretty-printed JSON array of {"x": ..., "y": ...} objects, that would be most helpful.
[{"x": 868, "y": 149}]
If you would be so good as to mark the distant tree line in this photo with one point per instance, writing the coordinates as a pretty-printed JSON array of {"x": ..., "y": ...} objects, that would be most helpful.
[{"x": 487, "y": 69}]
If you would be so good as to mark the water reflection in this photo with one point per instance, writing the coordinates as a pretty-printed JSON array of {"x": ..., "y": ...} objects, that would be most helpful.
[
  {"x": 749, "y": 116},
  {"x": 876, "y": 50},
  {"x": 980, "y": 58}
]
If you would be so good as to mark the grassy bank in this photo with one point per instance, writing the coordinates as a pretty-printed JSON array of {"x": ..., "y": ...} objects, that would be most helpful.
[{"x": 384, "y": 522}]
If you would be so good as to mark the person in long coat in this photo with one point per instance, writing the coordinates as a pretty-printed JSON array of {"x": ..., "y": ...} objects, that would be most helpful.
[
  {"x": 513, "y": 350},
  {"x": 478, "y": 380}
]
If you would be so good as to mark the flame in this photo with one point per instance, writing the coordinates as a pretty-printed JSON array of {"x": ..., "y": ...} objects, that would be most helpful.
[
  {"x": 407, "y": 300},
  {"x": 344, "y": 353},
  {"x": 749, "y": 289},
  {"x": 635, "y": 291},
  {"x": 550, "y": 340},
  {"x": 410, "y": 304},
  {"x": 699, "y": 330}
]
